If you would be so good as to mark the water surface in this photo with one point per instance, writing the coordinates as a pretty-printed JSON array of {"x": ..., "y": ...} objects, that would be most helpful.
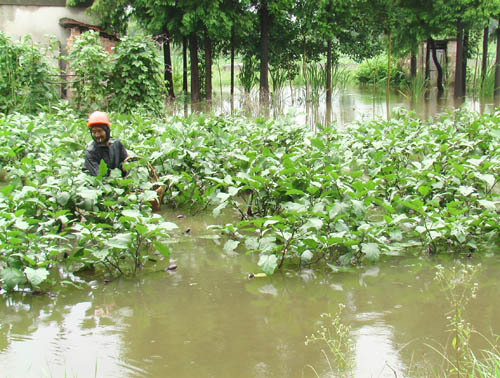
[
  {"x": 349, "y": 105},
  {"x": 208, "y": 319}
]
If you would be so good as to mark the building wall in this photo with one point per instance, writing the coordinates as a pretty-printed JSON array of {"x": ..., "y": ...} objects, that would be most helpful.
[
  {"x": 74, "y": 33},
  {"x": 39, "y": 21}
]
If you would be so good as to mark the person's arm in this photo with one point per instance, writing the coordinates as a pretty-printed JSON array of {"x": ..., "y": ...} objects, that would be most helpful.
[
  {"x": 123, "y": 155},
  {"x": 91, "y": 164}
]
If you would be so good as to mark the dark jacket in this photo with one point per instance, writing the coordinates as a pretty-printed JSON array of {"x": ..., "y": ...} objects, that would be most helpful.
[{"x": 113, "y": 155}]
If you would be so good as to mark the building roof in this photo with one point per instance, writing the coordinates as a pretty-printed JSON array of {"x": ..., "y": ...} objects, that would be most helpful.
[
  {"x": 43, "y": 3},
  {"x": 69, "y": 23}
]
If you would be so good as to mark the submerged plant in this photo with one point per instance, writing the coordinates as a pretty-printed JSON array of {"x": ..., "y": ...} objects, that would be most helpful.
[
  {"x": 459, "y": 288},
  {"x": 335, "y": 336},
  {"x": 339, "y": 197},
  {"x": 53, "y": 214}
]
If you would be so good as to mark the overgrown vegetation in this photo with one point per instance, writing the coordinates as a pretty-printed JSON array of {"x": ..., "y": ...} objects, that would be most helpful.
[
  {"x": 28, "y": 81},
  {"x": 341, "y": 197},
  {"x": 91, "y": 65},
  {"x": 53, "y": 214},
  {"x": 374, "y": 72},
  {"x": 130, "y": 79}
]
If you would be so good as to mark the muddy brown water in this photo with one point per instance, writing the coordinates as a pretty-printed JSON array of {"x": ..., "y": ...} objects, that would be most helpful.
[
  {"x": 208, "y": 319},
  {"x": 350, "y": 105}
]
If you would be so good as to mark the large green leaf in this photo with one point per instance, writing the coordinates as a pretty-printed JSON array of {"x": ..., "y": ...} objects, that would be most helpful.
[
  {"x": 162, "y": 248},
  {"x": 371, "y": 251},
  {"x": 231, "y": 245},
  {"x": 268, "y": 263},
  {"x": 120, "y": 241},
  {"x": 12, "y": 277},
  {"x": 36, "y": 276}
]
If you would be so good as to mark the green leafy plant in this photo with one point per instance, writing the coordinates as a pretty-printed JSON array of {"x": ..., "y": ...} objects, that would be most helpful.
[
  {"x": 91, "y": 65},
  {"x": 27, "y": 78},
  {"x": 316, "y": 74},
  {"x": 374, "y": 71},
  {"x": 136, "y": 80},
  {"x": 55, "y": 215},
  {"x": 335, "y": 335},
  {"x": 247, "y": 75},
  {"x": 459, "y": 288},
  {"x": 339, "y": 197}
]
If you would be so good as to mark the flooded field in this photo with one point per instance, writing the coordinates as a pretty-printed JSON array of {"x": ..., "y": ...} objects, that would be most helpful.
[
  {"x": 350, "y": 105},
  {"x": 207, "y": 318}
]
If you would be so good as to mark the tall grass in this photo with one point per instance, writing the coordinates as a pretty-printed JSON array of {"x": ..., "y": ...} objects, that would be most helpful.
[
  {"x": 316, "y": 74},
  {"x": 416, "y": 87},
  {"x": 341, "y": 77},
  {"x": 488, "y": 84}
]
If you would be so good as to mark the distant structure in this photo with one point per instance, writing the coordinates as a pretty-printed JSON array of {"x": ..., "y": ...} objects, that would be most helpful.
[{"x": 38, "y": 18}]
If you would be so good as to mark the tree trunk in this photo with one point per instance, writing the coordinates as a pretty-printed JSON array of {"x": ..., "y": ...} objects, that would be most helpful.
[
  {"x": 496, "y": 91},
  {"x": 329, "y": 72},
  {"x": 413, "y": 65},
  {"x": 232, "y": 61},
  {"x": 465, "y": 56},
  {"x": 458, "y": 90},
  {"x": 388, "y": 90},
  {"x": 484, "y": 63},
  {"x": 184, "y": 66},
  {"x": 427, "y": 68},
  {"x": 264, "y": 55},
  {"x": 195, "y": 79},
  {"x": 208, "y": 69},
  {"x": 304, "y": 68},
  {"x": 439, "y": 69},
  {"x": 168, "y": 69}
]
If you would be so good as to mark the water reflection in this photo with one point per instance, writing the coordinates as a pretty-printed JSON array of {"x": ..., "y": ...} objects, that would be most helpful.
[
  {"x": 348, "y": 106},
  {"x": 208, "y": 319}
]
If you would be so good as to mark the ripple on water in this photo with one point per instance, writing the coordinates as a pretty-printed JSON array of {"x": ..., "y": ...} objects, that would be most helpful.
[{"x": 375, "y": 354}]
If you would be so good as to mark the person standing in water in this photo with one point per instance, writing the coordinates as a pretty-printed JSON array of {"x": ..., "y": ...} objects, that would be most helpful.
[{"x": 103, "y": 147}]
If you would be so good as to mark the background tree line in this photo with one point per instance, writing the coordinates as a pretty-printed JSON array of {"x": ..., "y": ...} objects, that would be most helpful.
[{"x": 284, "y": 36}]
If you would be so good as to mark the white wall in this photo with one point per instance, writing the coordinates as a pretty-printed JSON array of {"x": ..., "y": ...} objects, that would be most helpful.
[{"x": 18, "y": 21}]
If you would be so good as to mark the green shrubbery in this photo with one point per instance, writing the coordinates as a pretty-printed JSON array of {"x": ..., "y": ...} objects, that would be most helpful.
[
  {"x": 375, "y": 69},
  {"x": 129, "y": 79},
  {"x": 341, "y": 196},
  {"x": 53, "y": 215},
  {"x": 136, "y": 79},
  {"x": 27, "y": 79},
  {"x": 91, "y": 65}
]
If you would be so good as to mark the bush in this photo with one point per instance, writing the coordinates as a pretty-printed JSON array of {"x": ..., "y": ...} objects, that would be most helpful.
[
  {"x": 136, "y": 79},
  {"x": 91, "y": 65},
  {"x": 26, "y": 77},
  {"x": 129, "y": 79},
  {"x": 377, "y": 67}
]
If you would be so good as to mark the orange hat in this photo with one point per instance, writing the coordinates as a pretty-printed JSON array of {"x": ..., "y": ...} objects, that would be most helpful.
[{"x": 98, "y": 118}]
